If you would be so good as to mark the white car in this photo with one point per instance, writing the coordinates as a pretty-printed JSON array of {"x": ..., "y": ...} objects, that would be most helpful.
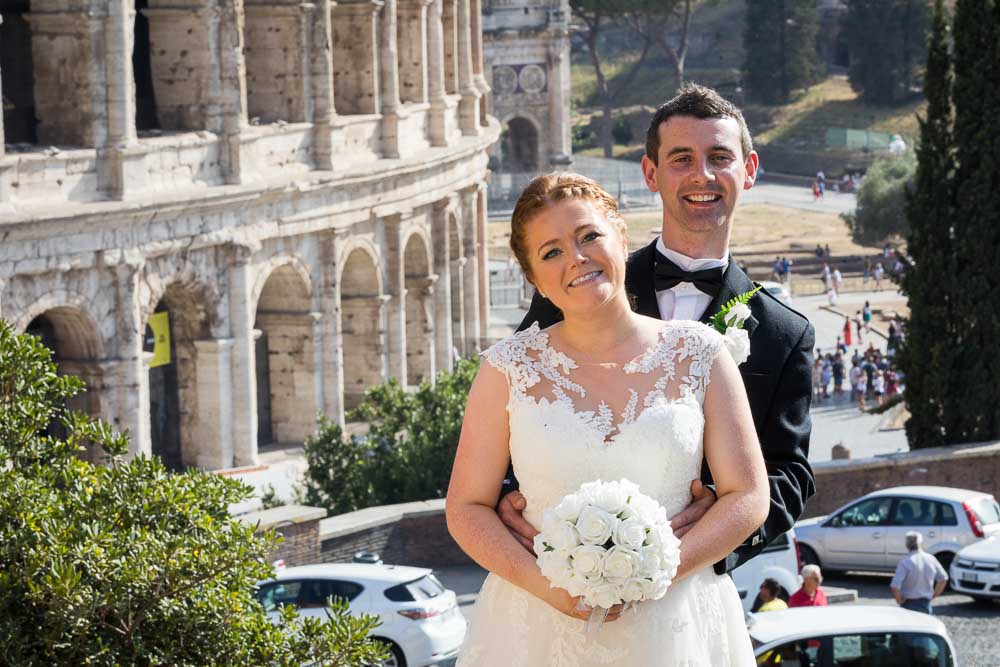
[
  {"x": 421, "y": 622},
  {"x": 976, "y": 570},
  {"x": 779, "y": 561},
  {"x": 777, "y": 290},
  {"x": 868, "y": 533},
  {"x": 850, "y": 635}
]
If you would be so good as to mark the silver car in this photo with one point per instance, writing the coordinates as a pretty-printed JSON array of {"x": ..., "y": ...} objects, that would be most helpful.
[{"x": 868, "y": 533}]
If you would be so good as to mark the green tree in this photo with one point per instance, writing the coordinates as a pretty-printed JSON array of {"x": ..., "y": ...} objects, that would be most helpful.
[
  {"x": 977, "y": 218},
  {"x": 930, "y": 282},
  {"x": 886, "y": 43},
  {"x": 406, "y": 453},
  {"x": 779, "y": 39},
  {"x": 881, "y": 206},
  {"x": 127, "y": 563}
]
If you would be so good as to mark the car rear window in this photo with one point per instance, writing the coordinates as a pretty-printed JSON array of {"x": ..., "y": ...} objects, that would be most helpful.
[
  {"x": 987, "y": 510},
  {"x": 424, "y": 588},
  {"x": 780, "y": 543}
]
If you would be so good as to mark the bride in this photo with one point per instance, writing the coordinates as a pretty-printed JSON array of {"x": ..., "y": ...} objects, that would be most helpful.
[{"x": 604, "y": 394}]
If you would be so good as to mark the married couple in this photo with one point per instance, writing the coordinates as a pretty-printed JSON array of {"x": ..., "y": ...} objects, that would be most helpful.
[{"x": 614, "y": 375}]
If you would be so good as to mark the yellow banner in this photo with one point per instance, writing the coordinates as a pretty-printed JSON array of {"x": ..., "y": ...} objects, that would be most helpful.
[{"x": 160, "y": 324}]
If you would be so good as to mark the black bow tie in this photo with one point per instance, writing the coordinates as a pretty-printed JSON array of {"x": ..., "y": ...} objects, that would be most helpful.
[{"x": 668, "y": 275}]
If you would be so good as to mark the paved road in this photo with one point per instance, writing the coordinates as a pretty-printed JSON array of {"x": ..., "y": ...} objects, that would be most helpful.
[{"x": 974, "y": 627}]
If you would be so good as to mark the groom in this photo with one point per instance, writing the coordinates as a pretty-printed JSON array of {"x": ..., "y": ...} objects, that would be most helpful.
[{"x": 699, "y": 158}]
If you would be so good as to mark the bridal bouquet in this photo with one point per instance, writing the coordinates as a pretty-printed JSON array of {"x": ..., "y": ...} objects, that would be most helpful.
[{"x": 608, "y": 544}]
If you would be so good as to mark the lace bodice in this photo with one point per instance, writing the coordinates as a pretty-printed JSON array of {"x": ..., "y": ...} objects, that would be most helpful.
[{"x": 572, "y": 423}]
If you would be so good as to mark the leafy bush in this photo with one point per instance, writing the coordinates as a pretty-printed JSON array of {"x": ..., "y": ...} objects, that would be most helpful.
[
  {"x": 881, "y": 207},
  {"x": 406, "y": 453},
  {"x": 127, "y": 563},
  {"x": 621, "y": 131}
]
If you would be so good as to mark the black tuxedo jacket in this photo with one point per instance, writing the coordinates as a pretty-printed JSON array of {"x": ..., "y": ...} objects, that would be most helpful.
[{"x": 778, "y": 380}]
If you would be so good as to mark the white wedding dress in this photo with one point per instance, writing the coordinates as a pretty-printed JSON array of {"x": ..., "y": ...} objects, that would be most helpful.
[{"x": 571, "y": 424}]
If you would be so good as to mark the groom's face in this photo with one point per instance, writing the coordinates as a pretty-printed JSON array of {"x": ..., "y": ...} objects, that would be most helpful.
[{"x": 699, "y": 174}]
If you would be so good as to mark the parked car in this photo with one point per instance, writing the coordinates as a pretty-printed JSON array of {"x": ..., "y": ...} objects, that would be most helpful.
[
  {"x": 868, "y": 533},
  {"x": 777, "y": 290},
  {"x": 421, "y": 622},
  {"x": 976, "y": 570},
  {"x": 870, "y": 635},
  {"x": 779, "y": 561}
]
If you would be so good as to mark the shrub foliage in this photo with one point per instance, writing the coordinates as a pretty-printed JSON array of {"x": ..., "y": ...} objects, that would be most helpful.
[
  {"x": 881, "y": 208},
  {"x": 125, "y": 563}
]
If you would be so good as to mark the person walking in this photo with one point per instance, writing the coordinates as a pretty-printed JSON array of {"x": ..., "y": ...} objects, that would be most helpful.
[
  {"x": 847, "y": 330},
  {"x": 825, "y": 275},
  {"x": 817, "y": 377},
  {"x": 810, "y": 594},
  {"x": 866, "y": 315},
  {"x": 878, "y": 386},
  {"x": 826, "y": 374},
  {"x": 919, "y": 577},
  {"x": 857, "y": 379},
  {"x": 867, "y": 274},
  {"x": 786, "y": 270},
  {"x": 838, "y": 374},
  {"x": 838, "y": 279},
  {"x": 877, "y": 273},
  {"x": 858, "y": 325}
]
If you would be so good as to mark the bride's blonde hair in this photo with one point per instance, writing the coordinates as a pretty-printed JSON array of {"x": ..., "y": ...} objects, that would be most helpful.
[{"x": 548, "y": 189}]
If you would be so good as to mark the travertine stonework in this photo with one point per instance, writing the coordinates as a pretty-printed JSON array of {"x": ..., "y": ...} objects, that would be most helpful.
[
  {"x": 305, "y": 196},
  {"x": 527, "y": 54}
]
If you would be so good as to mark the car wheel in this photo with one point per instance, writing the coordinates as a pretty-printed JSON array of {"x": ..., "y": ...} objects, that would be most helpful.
[
  {"x": 395, "y": 658},
  {"x": 945, "y": 559},
  {"x": 808, "y": 555}
]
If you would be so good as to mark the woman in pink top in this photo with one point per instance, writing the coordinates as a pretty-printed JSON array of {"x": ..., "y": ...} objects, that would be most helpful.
[{"x": 810, "y": 595}]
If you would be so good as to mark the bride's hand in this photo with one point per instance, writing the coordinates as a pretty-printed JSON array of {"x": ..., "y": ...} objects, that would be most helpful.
[{"x": 570, "y": 605}]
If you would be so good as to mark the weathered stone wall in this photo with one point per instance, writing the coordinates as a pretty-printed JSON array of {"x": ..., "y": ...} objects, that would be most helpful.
[
  {"x": 298, "y": 527},
  {"x": 975, "y": 467},
  {"x": 288, "y": 229}
]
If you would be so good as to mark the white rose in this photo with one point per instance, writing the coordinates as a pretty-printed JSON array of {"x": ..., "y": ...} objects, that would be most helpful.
[
  {"x": 659, "y": 586},
  {"x": 649, "y": 561},
  {"x": 604, "y": 595},
  {"x": 611, "y": 498},
  {"x": 737, "y": 341},
  {"x": 550, "y": 520},
  {"x": 569, "y": 508},
  {"x": 620, "y": 564},
  {"x": 587, "y": 560},
  {"x": 737, "y": 315},
  {"x": 636, "y": 589},
  {"x": 630, "y": 533},
  {"x": 555, "y": 568},
  {"x": 563, "y": 536},
  {"x": 577, "y": 584},
  {"x": 587, "y": 490},
  {"x": 646, "y": 509},
  {"x": 595, "y": 525}
]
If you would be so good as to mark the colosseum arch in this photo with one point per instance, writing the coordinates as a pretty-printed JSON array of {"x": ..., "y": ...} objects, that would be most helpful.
[
  {"x": 285, "y": 357},
  {"x": 362, "y": 324},
  {"x": 519, "y": 145},
  {"x": 63, "y": 325},
  {"x": 456, "y": 259},
  {"x": 276, "y": 76},
  {"x": 176, "y": 389},
  {"x": 417, "y": 263}
]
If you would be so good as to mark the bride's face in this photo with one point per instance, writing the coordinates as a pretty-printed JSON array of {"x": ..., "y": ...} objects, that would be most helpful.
[{"x": 576, "y": 256}]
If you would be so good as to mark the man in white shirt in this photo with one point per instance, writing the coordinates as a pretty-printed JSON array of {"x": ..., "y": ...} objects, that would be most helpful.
[{"x": 919, "y": 577}]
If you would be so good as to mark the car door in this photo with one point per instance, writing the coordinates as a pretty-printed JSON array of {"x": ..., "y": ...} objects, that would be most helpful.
[
  {"x": 856, "y": 538},
  {"x": 928, "y": 517}
]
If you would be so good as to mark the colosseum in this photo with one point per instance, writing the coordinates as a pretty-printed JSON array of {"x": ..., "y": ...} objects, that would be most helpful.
[{"x": 229, "y": 215}]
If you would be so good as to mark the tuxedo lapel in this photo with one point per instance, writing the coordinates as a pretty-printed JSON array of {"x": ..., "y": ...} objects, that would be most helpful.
[
  {"x": 639, "y": 281},
  {"x": 734, "y": 283}
]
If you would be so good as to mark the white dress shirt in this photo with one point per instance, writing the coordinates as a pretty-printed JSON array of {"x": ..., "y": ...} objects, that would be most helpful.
[{"x": 684, "y": 301}]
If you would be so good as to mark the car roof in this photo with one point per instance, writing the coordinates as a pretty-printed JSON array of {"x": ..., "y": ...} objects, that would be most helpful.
[
  {"x": 804, "y": 622},
  {"x": 941, "y": 492},
  {"x": 371, "y": 572}
]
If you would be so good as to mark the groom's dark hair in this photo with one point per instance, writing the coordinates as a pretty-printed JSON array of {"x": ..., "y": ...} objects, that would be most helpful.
[{"x": 699, "y": 102}]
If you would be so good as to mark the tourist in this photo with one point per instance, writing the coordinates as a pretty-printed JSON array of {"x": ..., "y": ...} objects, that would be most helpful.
[
  {"x": 878, "y": 386},
  {"x": 866, "y": 315},
  {"x": 817, "y": 376},
  {"x": 838, "y": 374},
  {"x": 919, "y": 577},
  {"x": 858, "y": 325},
  {"x": 857, "y": 379},
  {"x": 838, "y": 279},
  {"x": 826, "y": 374},
  {"x": 877, "y": 273},
  {"x": 847, "y": 330},
  {"x": 810, "y": 595},
  {"x": 769, "y": 595}
]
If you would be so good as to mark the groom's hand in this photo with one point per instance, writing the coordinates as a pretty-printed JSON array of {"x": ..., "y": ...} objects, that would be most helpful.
[
  {"x": 510, "y": 510},
  {"x": 702, "y": 498}
]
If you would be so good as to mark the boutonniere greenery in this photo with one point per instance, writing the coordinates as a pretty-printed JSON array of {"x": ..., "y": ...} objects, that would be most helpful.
[{"x": 729, "y": 322}]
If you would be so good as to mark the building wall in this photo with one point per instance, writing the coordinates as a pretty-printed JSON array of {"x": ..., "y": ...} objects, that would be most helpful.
[{"x": 269, "y": 201}]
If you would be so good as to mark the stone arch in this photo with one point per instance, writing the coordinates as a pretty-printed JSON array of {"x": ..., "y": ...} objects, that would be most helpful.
[
  {"x": 20, "y": 124},
  {"x": 295, "y": 275},
  {"x": 519, "y": 144},
  {"x": 362, "y": 323},
  {"x": 418, "y": 280},
  {"x": 456, "y": 259},
  {"x": 284, "y": 355},
  {"x": 181, "y": 389},
  {"x": 72, "y": 336}
]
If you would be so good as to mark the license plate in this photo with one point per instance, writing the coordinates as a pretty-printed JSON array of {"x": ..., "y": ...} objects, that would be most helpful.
[{"x": 970, "y": 577}]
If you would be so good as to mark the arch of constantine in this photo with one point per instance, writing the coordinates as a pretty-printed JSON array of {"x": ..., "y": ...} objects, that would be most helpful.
[{"x": 285, "y": 200}]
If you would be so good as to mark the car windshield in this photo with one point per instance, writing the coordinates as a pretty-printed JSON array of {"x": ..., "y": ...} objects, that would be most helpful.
[
  {"x": 873, "y": 649},
  {"x": 987, "y": 510}
]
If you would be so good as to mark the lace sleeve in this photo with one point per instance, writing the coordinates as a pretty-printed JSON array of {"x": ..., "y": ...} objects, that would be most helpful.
[
  {"x": 702, "y": 344},
  {"x": 510, "y": 357}
]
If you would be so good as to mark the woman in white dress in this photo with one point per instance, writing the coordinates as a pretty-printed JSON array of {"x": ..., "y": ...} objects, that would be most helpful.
[{"x": 604, "y": 394}]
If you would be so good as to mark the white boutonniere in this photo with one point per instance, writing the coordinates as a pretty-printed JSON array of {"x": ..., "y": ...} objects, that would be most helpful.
[{"x": 729, "y": 322}]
